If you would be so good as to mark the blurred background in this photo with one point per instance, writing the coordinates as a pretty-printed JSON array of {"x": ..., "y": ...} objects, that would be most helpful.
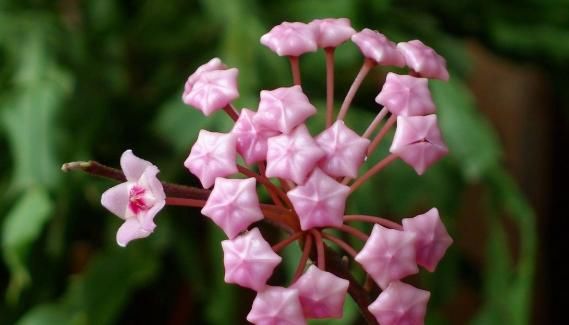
[{"x": 84, "y": 80}]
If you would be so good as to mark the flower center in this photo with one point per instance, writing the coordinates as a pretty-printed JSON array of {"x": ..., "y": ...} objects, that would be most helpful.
[{"x": 137, "y": 201}]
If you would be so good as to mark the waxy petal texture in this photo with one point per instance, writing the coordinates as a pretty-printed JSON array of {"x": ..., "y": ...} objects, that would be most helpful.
[
  {"x": 293, "y": 156},
  {"x": 233, "y": 205},
  {"x": 277, "y": 306},
  {"x": 322, "y": 294},
  {"x": 212, "y": 65},
  {"x": 375, "y": 46},
  {"x": 424, "y": 60},
  {"x": 283, "y": 109},
  {"x": 320, "y": 202},
  {"x": 249, "y": 260},
  {"x": 291, "y": 39},
  {"x": 406, "y": 95},
  {"x": 331, "y": 32},
  {"x": 213, "y": 155},
  {"x": 213, "y": 90},
  {"x": 251, "y": 139},
  {"x": 400, "y": 304},
  {"x": 345, "y": 150},
  {"x": 431, "y": 238},
  {"x": 388, "y": 255},
  {"x": 418, "y": 141}
]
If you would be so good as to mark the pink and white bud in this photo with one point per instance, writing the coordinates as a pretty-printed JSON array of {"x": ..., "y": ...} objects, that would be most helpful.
[
  {"x": 233, "y": 205},
  {"x": 211, "y": 65},
  {"x": 276, "y": 305},
  {"x": 213, "y": 155},
  {"x": 291, "y": 39},
  {"x": 424, "y": 60},
  {"x": 251, "y": 139},
  {"x": 399, "y": 304},
  {"x": 249, "y": 260},
  {"x": 331, "y": 32},
  {"x": 137, "y": 200},
  {"x": 211, "y": 90},
  {"x": 418, "y": 141},
  {"x": 431, "y": 238},
  {"x": 406, "y": 95},
  {"x": 375, "y": 46}
]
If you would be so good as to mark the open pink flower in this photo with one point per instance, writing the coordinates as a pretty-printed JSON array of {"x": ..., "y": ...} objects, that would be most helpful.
[
  {"x": 251, "y": 139},
  {"x": 276, "y": 306},
  {"x": 137, "y": 200},
  {"x": 320, "y": 202},
  {"x": 400, "y": 304},
  {"x": 322, "y": 294},
  {"x": 406, "y": 95},
  {"x": 292, "y": 156},
  {"x": 424, "y": 60},
  {"x": 331, "y": 32},
  {"x": 233, "y": 205},
  {"x": 283, "y": 109},
  {"x": 431, "y": 238},
  {"x": 388, "y": 255},
  {"x": 375, "y": 46},
  {"x": 291, "y": 39},
  {"x": 213, "y": 155},
  {"x": 249, "y": 260},
  {"x": 418, "y": 141}
]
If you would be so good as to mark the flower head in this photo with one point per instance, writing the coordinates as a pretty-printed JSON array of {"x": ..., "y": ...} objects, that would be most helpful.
[
  {"x": 406, "y": 95},
  {"x": 424, "y": 60},
  {"x": 137, "y": 200},
  {"x": 400, "y": 304},
  {"x": 375, "y": 46},
  {"x": 291, "y": 39},
  {"x": 331, "y": 32},
  {"x": 276, "y": 305}
]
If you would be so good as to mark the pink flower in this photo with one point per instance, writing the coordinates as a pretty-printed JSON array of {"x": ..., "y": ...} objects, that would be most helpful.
[
  {"x": 213, "y": 155},
  {"x": 211, "y": 87},
  {"x": 345, "y": 150},
  {"x": 291, "y": 39},
  {"x": 388, "y": 255},
  {"x": 406, "y": 95},
  {"x": 277, "y": 306},
  {"x": 320, "y": 202},
  {"x": 283, "y": 109},
  {"x": 377, "y": 47},
  {"x": 424, "y": 60},
  {"x": 233, "y": 205},
  {"x": 292, "y": 156},
  {"x": 431, "y": 238},
  {"x": 331, "y": 32},
  {"x": 137, "y": 200},
  {"x": 249, "y": 260},
  {"x": 322, "y": 294},
  {"x": 418, "y": 141},
  {"x": 400, "y": 304},
  {"x": 251, "y": 139}
]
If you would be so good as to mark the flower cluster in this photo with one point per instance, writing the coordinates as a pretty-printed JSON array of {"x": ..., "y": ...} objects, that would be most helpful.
[{"x": 316, "y": 176}]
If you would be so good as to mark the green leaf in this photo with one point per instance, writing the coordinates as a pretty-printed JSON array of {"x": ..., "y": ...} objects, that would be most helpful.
[
  {"x": 22, "y": 227},
  {"x": 45, "y": 314}
]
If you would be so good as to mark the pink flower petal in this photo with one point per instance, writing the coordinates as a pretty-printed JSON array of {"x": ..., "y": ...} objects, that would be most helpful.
[
  {"x": 132, "y": 229},
  {"x": 331, "y": 32},
  {"x": 400, "y": 304},
  {"x": 406, "y": 95},
  {"x": 132, "y": 166},
  {"x": 212, "y": 65},
  {"x": 116, "y": 199},
  {"x": 424, "y": 60},
  {"x": 291, "y": 39},
  {"x": 377, "y": 47},
  {"x": 276, "y": 306},
  {"x": 213, "y": 90},
  {"x": 251, "y": 139}
]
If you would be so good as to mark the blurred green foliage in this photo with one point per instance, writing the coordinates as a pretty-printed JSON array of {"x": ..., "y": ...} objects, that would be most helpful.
[{"x": 86, "y": 80}]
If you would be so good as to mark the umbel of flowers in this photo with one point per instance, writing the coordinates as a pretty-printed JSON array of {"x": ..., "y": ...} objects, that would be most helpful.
[{"x": 309, "y": 178}]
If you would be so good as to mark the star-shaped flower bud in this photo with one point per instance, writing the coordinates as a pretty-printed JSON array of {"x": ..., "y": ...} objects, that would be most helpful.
[
  {"x": 137, "y": 200},
  {"x": 388, "y": 255},
  {"x": 399, "y": 304},
  {"x": 345, "y": 150},
  {"x": 431, "y": 238},
  {"x": 418, "y": 141},
  {"x": 251, "y": 139},
  {"x": 375, "y": 46},
  {"x": 331, "y": 32},
  {"x": 212, "y": 90},
  {"x": 424, "y": 60},
  {"x": 406, "y": 95},
  {"x": 283, "y": 109},
  {"x": 276, "y": 305},
  {"x": 292, "y": 156},
  {"x": 291, "y": 39},
  {"x": 233, "y": 205},
  {"x": 249, "y": 260},
  {"x": 212, "y": 65},
  {"x": 322, "y": 294},
  {"x": 213, "y": 155},
  {"x": 320, "y": 202}
]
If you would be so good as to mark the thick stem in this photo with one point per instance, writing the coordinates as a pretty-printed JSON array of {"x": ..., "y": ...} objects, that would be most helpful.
[
  {"x": 329, "y": 85},
  {"x": 372, "y": 219},
  {"x": 295, "y": 67},
  {"x": 185, "y": 202},
  {"x": 232, "y": 112},
  {"x": 367, "y": 65},
  {"x": 354, "y": 232},
  {"x": 381, "y": 134},
  {"x": 372, "y": 171},
  {"x": 287, "y": 241},
  {"x": 373, "y": 125},
  {"x": 303, "y": 259},
  {"x": 320, "y": 254},
  {"x": 342, "y": 244}
]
